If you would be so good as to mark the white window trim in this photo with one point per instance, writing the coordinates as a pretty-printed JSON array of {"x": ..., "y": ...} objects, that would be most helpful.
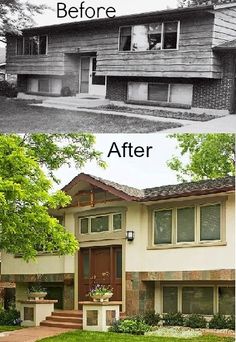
[
  {"x": 197, "y": 241},
  {"x": 162, "y": 37},
  {"x": 110, "y": 223}
]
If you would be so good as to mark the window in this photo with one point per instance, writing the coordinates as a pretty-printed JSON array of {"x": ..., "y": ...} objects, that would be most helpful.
[
  {"x": 185, "y": 224},
  {"x": 44, "y": 85},
  {"x": 155, "y": 36},
  {"x": 189, "y": 225},
  {"x": 170, "y": 299},
  {"x": 163, "y": 227},
  {"x": 34, "y": 45},
  {"x": 86, "y": 266},
  {"x": 226, "y": 300},
  {"x": 210, "y": 222},
  {"x": 197, "y": 300},
  {"x": 158, "y": 92},
  {"x": 100, "y": 223},
  {"x": 97, "y": 80}
]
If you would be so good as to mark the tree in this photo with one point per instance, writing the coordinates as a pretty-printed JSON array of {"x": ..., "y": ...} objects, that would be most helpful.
[
  {"x": 192, "y": 3},
  {"x": 16, "y": 15},
  {"x": 210, "y": 156},
  {"x": 26, "y": 195}
]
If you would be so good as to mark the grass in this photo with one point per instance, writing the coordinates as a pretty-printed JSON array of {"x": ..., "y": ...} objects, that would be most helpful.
[
  {"x": 160, "y": 113},
  {"x": 18, "y": 116},
  {"x": 84, "y": 336},
  {"x": 4, "y": 328}
]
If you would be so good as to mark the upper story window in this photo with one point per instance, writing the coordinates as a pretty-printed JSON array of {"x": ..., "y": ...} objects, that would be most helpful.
[
  {"x": 100, "y": 223},
  {"x": 196, "y": 224},
  {"x": 150, "y": 37},
  {"x": 33, "y": 45}
]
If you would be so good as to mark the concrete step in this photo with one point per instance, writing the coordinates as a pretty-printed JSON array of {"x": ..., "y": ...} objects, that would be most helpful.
[
  {"x": 61, "y": 324},
  {"x": 68, "y": 313},
  {"x": 76, "y": 102},
  {"x": 55, "y": 318}
]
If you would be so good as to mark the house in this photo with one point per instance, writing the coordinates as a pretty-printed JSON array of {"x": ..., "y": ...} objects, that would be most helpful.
[
  {"x": 2, "y": 64},
  {"x": 176, "y": 58},
  {"x": 179, "y": 255}
]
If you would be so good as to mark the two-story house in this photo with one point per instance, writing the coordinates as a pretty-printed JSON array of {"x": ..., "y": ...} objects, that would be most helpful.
[
  {"x": 169, "y": 248},
  {"x": 177, "y": 58}
]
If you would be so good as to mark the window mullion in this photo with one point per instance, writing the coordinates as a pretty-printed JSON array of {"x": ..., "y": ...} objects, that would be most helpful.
[
  {"x": 197, "y": 223},
  {"x": 179, "y": 298},
  {"x": 174, "y": 226},
  {"x": 162, "y": 35}
]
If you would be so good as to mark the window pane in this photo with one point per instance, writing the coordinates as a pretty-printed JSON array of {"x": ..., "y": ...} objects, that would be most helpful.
[
  {"x": 226, "y": 300},
  {"x": 119, "y": 264},
  {"x": 210, "y": 222},
  {"x": 170, "y": 299},
  {"x": 26, "y": 46},
  {"x": 117, "y": 221},
  {"x": 140, "y": 38},
  {"x": 19, "y": 46},
  {"x": 97, "y": 80},
  {"x": 99, "y": 224},
  {"x": 158, "y": 92},
  {"x": 42, "y": 45},
  {"x": 170, "y": 35},
  {"x": 163, "y": 227},
  {"x": 84, "y": 225},
  {"x": 44, "y": 85},
  {"x": 185, "y": 225},
  {"x": 125, "y": 38},
  {"x": 34, "y": 45},
  {"x": 86, "y": 269},
  {"x": 154, "y": 36},
  {"x": 197, "y": 300}
]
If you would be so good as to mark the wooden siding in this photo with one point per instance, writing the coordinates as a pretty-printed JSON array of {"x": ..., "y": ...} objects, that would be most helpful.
[
  {"x": 193, "y": 59},
  {"x": 224, "y": 25}
]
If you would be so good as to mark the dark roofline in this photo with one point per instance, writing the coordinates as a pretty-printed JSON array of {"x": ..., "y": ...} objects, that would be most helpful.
[
  {"x": 120, "y": 19},
  {"x": 203, "y": 187}
]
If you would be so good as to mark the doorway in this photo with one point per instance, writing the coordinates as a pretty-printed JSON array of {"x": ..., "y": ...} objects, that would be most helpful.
[
  {"x": 100, "y": 265},
  {"x": 90, "y": 83}
]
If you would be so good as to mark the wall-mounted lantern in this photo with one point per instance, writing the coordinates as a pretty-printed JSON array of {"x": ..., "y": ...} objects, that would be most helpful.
[{"x": 130, "y": 235}]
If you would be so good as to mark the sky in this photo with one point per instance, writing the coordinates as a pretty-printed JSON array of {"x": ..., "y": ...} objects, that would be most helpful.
[
  {"x": 137, "y": 172},
  {"x": 122, "y": 7}
]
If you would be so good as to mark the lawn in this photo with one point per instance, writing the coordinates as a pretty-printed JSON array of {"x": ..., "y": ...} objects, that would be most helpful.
[
  {"x": 84, "y": 336},
  {"x": 4, "y": 328},
  {"x": 18, "y": 116}
]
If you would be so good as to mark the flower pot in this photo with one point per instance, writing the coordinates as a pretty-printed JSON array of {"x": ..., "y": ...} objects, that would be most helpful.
[
  {"x": 37, "y": 295},
  {"x": 101, "y": 297}
]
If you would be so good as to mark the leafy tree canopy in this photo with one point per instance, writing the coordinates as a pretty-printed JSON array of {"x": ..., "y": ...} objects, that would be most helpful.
[
  {"x": 16, "y": 15},
  {"x": 192, "y": 3},
  {"x": 26, "y": 193},
  {"x": 210, "y": 156}
]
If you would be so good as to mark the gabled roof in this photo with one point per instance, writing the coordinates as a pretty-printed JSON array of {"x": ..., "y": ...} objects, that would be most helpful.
[
  {"x": 121, "y": 20},
  {"x": 231, "y": 45},
  {"x": 157, "y": 193}
]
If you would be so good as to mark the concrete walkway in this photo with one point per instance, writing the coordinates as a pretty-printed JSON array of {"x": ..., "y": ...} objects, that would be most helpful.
[{"x": 31, "y": 334}]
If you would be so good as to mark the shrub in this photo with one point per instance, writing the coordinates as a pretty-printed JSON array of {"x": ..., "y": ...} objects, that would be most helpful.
[
  {"x": 65, "y": 91},
  {"x": 174, "y": 319},
  {"x": 151, "y": 318},
  {"x": 130, "y": 326},
  {"x": 218, "y": 321},
  {"x": 195, "y": 321},
  {"x": 7, "y": 89},
  {"x": 9, "y": 317},
  {"x": 231, "y": 322}
]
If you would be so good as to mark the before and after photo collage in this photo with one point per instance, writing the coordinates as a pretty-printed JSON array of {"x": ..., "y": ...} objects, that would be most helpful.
[{"x": 117, "y": 170}]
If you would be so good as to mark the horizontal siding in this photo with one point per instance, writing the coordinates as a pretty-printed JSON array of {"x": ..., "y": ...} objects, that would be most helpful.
[
  {"x": 224, "y": 26},
  {"x": 193, "y": 59}
]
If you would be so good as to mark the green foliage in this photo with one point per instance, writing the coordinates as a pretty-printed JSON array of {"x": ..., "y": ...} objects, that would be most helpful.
[
  {"x": 26, "y": 195},
  {"x": 173, "y": 319},
  {"x": 7, "y": 89},
  {"x": 210, "y": 156},
  {"x": 193, "y": 3},
  {"x": 218, "y": 321},
  {"x": 9, "y": 317},
  {"x": 231, "y": 322},
  {"x": 151, "y": 318},
  {"x": 195, "y": 321},
  {"x": 133, "y": 326},
  {"x": 16, "y": 15}
]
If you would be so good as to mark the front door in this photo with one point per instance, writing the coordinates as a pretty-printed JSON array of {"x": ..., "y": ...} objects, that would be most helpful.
[
  {"x": 100, "y": 266},
  {"x": 89, "y": 82}
]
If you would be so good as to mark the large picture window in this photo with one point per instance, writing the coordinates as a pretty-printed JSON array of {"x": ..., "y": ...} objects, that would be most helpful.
[
  {"x": 100, "y": 223},
  {"x": 32, "y": 45},
  {"x": 188, "y": 225},
  {"x": 198, "y": 300},
  {"x": 150, "y": 37}
]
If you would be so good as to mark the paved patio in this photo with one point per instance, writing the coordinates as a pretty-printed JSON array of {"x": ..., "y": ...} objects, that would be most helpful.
[{"x": 31, "y": 334}]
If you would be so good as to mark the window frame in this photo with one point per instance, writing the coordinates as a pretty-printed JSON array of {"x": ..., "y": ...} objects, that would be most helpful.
[
  {"x": 197, "y": 242},
  {"x": 110, "y": 223},
  {"x": 162, "y": 37},
  {"x": 30, "y": 47}
]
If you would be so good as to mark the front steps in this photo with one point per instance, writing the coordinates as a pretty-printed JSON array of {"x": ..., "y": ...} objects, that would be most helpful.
[
  {"x": 64, "y": 319},
  {"x": 86, "y": 101}
]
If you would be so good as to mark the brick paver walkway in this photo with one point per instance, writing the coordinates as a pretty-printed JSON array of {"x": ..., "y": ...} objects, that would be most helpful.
[{"x": 31, "y": 334}]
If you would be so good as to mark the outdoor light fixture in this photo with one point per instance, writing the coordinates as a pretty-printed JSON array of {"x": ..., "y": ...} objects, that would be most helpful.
[{"x": 130, "y": 235}]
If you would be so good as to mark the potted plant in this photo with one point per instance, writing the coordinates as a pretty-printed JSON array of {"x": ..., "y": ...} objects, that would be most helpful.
[
  {"x": 37, "y": 292},
  {"x": 101, "y": 293}
]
